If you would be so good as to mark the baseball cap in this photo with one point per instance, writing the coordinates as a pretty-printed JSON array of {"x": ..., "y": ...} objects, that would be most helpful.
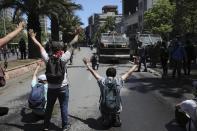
[{"x": 42, "y": 77}]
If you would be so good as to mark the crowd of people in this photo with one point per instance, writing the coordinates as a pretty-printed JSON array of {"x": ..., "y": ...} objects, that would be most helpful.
[
  {"x": 175, "y": 54},
  {"x": 54, "y": 84}
]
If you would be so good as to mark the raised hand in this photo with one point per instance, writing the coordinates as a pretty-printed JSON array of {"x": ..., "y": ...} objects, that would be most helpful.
[
  {"x": 32, "y": 33},
  {"x": 22, "y": 25}
]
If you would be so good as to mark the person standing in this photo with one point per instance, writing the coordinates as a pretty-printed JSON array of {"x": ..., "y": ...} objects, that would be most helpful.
[
  {"x": 142, "y": 57},
  {"x": 178, "y": 55},
  {"x": 190, "y": 53},
  {"x": 22, "y": 47},
  {"x": 164, "y": 55},
  {"x": 94, "y": 61},
  {"x": 58, "y": 88}
]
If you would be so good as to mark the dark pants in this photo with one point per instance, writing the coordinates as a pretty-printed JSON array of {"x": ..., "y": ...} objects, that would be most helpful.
[
  {"x": 63, "y": 96},
  {"x": 177, "y": 64},
  {"x": 187, "y": 66},
  {"x": 23, "y": 55},
  {"x": 164, "y": 64},
  {"x": 142, "y": 60}
]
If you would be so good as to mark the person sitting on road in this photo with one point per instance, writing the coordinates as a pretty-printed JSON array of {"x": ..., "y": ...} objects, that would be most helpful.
[
  {"x": 110, "y": 100},
  {"x": 189, "y": 107},
  {"x": 38, "y": 96}
]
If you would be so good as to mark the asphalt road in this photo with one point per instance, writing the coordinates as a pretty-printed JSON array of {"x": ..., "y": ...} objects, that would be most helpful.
[{"x": 143, "y": 110}]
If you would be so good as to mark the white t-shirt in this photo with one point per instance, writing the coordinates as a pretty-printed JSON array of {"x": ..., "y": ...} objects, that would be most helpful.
[
  {"x": 189, "y": 106},
  {"x": 65, "y": 57}
]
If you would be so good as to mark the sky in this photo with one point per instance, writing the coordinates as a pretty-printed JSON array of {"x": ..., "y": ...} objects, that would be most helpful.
[{"x": 94, "y": 6}]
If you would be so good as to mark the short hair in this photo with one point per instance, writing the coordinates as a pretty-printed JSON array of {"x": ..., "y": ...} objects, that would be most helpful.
[
  {"x": 56, "y": 46},
  {"x": 111, "y": 72}
]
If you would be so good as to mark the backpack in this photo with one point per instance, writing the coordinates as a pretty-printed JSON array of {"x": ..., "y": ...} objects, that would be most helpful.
[
  {"x": 36, "y": 98},
  {"x": 2, "y": 77},
  {"x": 55, "y": 70},
  {"x": 110, "y": 96}
]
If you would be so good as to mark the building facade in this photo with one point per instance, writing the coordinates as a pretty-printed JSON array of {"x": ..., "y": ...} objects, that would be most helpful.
[
  {"x": 133, "y": 15},
  {"x": 98, "y": 19}
]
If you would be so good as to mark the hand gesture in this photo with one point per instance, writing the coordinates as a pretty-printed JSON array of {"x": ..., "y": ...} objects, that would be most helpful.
[
  {"x": 77, "y": 30},
  {"x": 39, "y": 63},
  {"x": 32, "y": 33},
  {"x": 86, "y": 61},
  {"x": 22, "y": 25},
  {"x": 136, "y": 60}
]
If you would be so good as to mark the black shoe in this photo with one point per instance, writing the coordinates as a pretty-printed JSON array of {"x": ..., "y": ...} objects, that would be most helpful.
[
  {"x": 67, "y": 127},
  {"x": 145, "y": 70},
  {"x": 116, "y": 121}
]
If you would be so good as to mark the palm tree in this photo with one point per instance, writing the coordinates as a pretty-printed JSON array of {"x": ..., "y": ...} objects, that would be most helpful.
[
  {"x": 68, "y": 25},
  {"x": 65, "y": 10},
  {"x": 33, "y": 9}
]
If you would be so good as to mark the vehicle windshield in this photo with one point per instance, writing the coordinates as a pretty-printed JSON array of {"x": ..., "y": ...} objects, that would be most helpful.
[
  {"x": 144, "y": 39},
  {"x": 114, "y": 39},
  {"x": 149, "y": 39},
  {"x": 155, "y": 38}
]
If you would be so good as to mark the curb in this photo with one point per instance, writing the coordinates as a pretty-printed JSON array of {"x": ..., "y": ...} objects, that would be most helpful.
[{"x": 20, "y": 70}]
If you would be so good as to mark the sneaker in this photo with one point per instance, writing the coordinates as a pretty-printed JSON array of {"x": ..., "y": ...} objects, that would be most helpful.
[{"x": 67, "y": 127}]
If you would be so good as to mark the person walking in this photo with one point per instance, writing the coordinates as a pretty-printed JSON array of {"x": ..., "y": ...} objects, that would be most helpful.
[
  {"x": 164, "y": 56},
  {"x": 58, "y": 85}
]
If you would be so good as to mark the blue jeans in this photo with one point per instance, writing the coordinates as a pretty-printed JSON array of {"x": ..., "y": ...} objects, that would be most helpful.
[{"x": 63, "y": 96}]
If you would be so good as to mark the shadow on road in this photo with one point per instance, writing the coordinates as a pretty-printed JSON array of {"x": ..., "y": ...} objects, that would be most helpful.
[
  {"x": 167, "y": 87},
  {"x": 32, "y": 127},
  {"x": 92, "y": 123},
  {"x": 173, "y": 126}
]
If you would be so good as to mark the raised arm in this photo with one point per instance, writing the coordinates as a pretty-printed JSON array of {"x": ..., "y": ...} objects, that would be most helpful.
[
  {"x": 75, "y": 40},
  {"x": 33, "y": 37},
  {"x": 12, "y": 34},
  {"x": 36, "y": 70},
  {"x": 94, "y": 73},
  {"x": 131, "y": 70}
]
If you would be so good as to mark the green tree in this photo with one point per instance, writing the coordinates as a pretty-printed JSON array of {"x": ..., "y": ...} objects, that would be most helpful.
[
  {"x": 109, "y": 25},
  {"x": 159, "y": 19},
  {"x": 185, "y": 17},
  {"x": 33, "y": 9}
]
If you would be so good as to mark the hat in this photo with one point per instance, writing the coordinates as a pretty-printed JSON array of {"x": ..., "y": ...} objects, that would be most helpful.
[{"x": 42, "y": 77}]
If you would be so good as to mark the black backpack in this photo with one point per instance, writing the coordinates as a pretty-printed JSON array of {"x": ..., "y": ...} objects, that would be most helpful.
[
  {"x": 110, "y": 96},
  {"x": 55, "y": 70},
  {"x": 36, "y": 98}
]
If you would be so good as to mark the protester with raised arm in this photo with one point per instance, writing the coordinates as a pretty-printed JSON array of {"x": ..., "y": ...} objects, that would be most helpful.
[{"x": 56, "y": 73}]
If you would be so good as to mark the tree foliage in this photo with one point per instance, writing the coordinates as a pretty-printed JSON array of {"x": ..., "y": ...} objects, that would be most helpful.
[
  {"x": 159, "y": 19},
  {"x": 109, "y": 25},
  {"x": 185, "y": 16}
]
